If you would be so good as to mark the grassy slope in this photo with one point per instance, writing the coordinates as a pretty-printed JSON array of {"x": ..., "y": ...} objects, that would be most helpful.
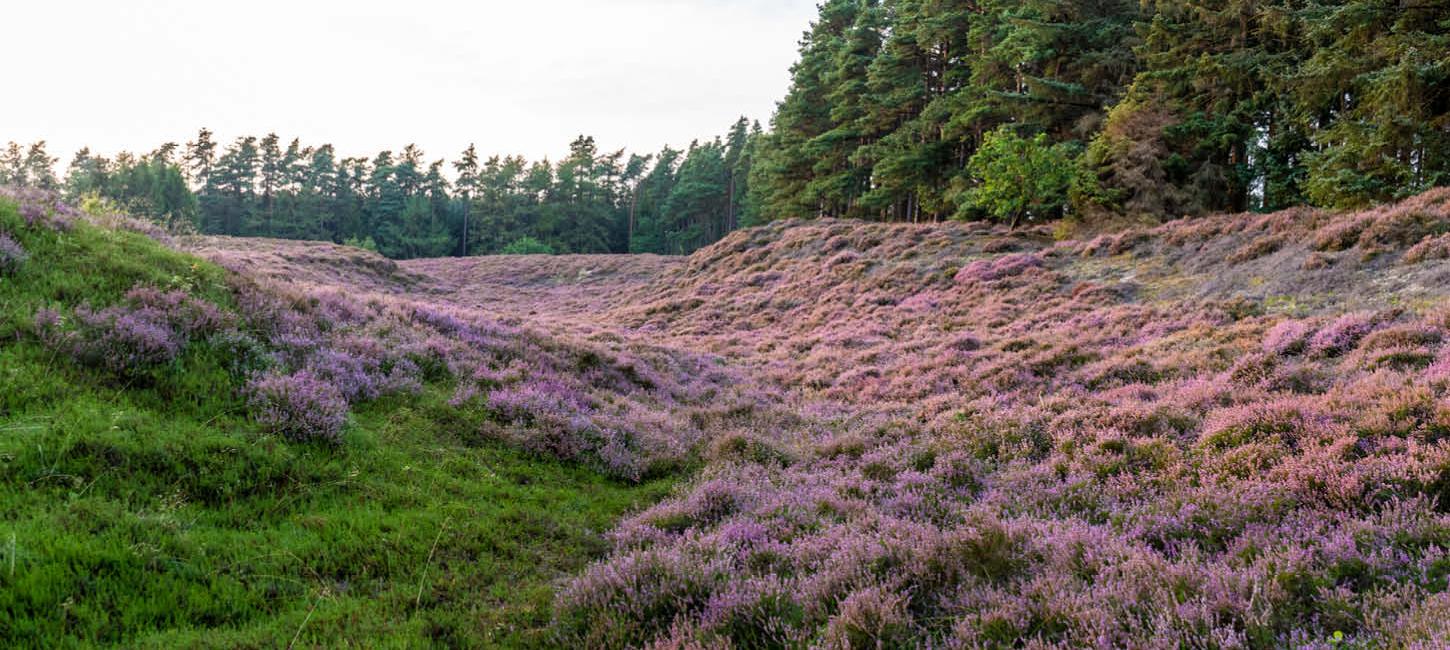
[{"x": 151, "y": 513}]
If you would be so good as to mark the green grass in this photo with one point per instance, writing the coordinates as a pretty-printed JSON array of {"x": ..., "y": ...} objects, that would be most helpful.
[{"x": 153, "y": 514}]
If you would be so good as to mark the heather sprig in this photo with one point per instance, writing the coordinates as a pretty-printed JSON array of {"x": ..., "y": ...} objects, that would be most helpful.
[{"x": 12, "y": 255}]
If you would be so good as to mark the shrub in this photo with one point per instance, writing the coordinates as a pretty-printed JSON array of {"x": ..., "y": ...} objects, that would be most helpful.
[
  {"x": 1289, "y": 337},
  {"x": 996, "y": 269},
  {"x": 1257, "y": 248},
  {"x": 366, "y": 244},
  {"x": 1000, "y": 439},
  {"x": 243, "y": 355},
  {"x": 1406, "y": 336},
  {"x": 745, "y": 447},
  {"x": 1339, "y": 235},
  {"x": 1343, "y": 334},
  {"x": 527, "y": 246},
  {"x": 755, "y": 613},
  {"x": 188, "y": 316},
  {"x": 1284, "y": 422},
  {"x": 299, "y": 407},
  {"x": 871, "y": 618},
  {"x": 1018, "y": 177},
  {"x": 1432, "y": 247},
  {"x": 12, "y": 255},
  {"x": 41, "y": 209},
  {"x": 1317, "y": 261},
  {"x": 124, "y": 341},
  {"x": 150, "y": 328}
]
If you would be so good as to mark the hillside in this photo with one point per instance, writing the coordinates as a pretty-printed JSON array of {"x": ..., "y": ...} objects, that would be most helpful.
[
  {"x": 1232, "y": 431},
  {"x": 199, "y": 456}
]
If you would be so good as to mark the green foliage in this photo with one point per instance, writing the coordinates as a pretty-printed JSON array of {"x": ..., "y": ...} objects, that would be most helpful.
[
  {"x": 690, "y": 216},
  {"x": 589, "y": 202},
  {"x": 527, "y": 246},
  {"x": 151, "y": 186},
  {"x": 27, "y": 166},
  {"x": 1381, "y": 70},
  {"x": 1184, "y": 107},
  {"x": 418, "y": 231},
  {"x": 365, "y": 243},
  {"x": 890, "y": 100},
  {"x": 1019, "y": 178}
]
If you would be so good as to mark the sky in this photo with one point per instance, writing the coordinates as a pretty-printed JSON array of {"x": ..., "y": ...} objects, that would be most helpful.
[{"x": 522, "y": 77}]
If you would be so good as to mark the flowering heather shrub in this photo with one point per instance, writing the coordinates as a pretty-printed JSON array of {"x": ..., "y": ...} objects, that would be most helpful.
[
  {"x": 119, "y": 339},
  {"x": 1287, "y": 338},
  {"x": 1343, "y": 333},
  {"x": 1317, "y": 261},
  {"x": 355, "y": 378},
  {"x": 1413, "y": 335},
  {"x": 41, "y": 209},
  {"x": 1257, "y": 248},
  {"x": 999, "y": 268},
  {"x": 1341, "y": 234},
  {"x": 123, "y": 340},
  {"x": 1287, "y": 422},
  {"x": 300, "y": 407},
  {"x": 872, "y": 618},
  {"x": 1431, "y": 248},
  {"x": 620, "y": 408},
  {"x": 1409, "y": 221},
  {"x": 12, "y": 255},
  {"x": 147, "y": 330},
  {"x": 188, "y": 316},
  {"x": 1396, "y": 225},
  {"x": 539, "y": 399}
]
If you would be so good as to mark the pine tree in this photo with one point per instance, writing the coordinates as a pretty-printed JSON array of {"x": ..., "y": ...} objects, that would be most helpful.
[
  {"x": 1210, "y": 77},
  {"x": 12, "y": 166},
  {"x": 693, "y": 213},
  {"x": 86, "y": 174},
  {"x": 468, "y": 185},
  {"x": 649, "y": 233},
  {"x": 229, "y": 197},
  {"x": 271, "y": 177},
  {"x": 788, "y": 165},
  {"x": 1375, "y": 99},
  {"x": 199, "y": 158},
  {"x": 40, "y": 167}
]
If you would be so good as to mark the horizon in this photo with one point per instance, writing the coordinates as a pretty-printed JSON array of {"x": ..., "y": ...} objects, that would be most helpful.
[{"x": 469, "y": 80}]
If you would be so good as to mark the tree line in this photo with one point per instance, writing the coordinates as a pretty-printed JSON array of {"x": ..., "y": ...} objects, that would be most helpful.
[
  {"x": 1011, "y": 109},
  {"x": 404, "y": 205},
  {"x": 898, "y": 110}
]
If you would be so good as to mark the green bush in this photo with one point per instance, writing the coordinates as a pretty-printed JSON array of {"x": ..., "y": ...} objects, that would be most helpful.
[{"x": 527, "y": 246}]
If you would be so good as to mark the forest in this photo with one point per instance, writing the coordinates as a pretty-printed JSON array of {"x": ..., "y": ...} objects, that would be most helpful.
[
  {"x": 930, "y": 109},
  {"x": 405, "y": 206},
  {"x": 898, "y": 110}
]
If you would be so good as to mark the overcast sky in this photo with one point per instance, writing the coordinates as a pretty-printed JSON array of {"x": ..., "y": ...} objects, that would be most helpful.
[{"x": 514, "y": 77}]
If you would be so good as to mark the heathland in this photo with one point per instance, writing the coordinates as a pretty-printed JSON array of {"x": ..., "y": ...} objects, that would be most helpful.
[{"x": 1228, "y": 431}]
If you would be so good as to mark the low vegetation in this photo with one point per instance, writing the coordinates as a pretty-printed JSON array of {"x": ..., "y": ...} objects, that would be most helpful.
[
  {"x": 809, "y": 434},
  {"x": 1019, "y": 441},
  {"x": 188, "y": 459}
]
